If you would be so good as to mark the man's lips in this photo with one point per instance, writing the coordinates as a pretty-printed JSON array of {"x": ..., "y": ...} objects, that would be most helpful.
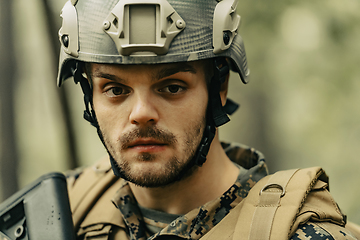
[
  {"x": 147, "y": 145},
  {"x": 144, "y": 142}
]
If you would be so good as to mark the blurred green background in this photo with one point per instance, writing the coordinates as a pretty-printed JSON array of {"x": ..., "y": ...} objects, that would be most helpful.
[{"x": 300, "y": 108}]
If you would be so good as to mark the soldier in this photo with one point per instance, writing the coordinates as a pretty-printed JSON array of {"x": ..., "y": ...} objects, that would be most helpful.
[{"x": 155, "y": 76}]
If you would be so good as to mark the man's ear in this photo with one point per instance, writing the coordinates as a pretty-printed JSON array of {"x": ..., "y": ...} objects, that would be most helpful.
[{"x": 224, "y": 90}]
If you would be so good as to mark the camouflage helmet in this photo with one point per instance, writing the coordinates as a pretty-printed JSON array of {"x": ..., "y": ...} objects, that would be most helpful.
[{"x": 149, "y": 32}]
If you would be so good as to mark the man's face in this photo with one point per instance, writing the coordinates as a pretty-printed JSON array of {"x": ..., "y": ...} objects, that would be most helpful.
[{"x": 151, "y": 117}]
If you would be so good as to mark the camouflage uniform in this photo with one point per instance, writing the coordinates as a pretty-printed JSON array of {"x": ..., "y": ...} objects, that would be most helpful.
[{"x": 199, "y": 221}]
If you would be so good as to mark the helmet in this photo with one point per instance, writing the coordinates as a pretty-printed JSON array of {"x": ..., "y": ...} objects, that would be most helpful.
[
  {"x": 154, "y": 32},
  {"x": 150, "y": 32}
]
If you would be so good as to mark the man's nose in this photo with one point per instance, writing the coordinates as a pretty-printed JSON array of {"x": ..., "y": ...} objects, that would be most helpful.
[{"x": 143, "y": 110}]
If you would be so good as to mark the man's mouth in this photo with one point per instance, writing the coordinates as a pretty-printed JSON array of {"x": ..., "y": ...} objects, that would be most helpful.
[{"x": 147, "y": 145}]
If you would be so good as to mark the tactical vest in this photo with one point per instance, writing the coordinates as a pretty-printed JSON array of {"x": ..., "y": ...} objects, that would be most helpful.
[{"x": 273, "y": 209}]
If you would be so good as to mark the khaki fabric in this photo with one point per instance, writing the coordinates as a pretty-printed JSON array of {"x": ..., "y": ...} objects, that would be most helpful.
[
  {"x": 90, "y": 196},
  {"x": 306, "y": 198},
  {"x": 354, "y": 229},
  {"x": 295, "y": 196}
]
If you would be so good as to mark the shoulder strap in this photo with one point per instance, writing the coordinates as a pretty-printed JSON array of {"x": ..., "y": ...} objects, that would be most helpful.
[
  {"x": 274, "y": 207},
  {"x": 268, "y": 203},
  {"x": 292, "y": 190},
  {"x": 88, "y": 187}
]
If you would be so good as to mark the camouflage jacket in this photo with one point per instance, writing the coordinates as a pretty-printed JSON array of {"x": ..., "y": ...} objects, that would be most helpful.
[{"x": 104, "y": 221}]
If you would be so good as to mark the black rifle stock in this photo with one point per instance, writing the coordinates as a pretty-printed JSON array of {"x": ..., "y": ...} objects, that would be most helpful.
[{"x": 40, "y": 211}]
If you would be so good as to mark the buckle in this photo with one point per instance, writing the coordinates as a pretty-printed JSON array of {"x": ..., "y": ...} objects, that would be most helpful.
[{"x": 273, "y": 185}]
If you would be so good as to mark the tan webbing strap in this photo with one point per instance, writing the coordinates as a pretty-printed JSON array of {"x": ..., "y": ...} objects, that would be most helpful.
[
  {"x": 88, "y": 188},
  {"x": 269, "y": 201},
  {"x": 88, "y": 202},
  {"x": 280, "y": 215}
]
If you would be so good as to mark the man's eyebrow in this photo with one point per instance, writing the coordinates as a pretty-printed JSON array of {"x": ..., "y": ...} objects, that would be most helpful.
[
  {"x": 109, "y": 76},
  {"x": 168, "y": 71},
  {"x": 162, "y": 73}
]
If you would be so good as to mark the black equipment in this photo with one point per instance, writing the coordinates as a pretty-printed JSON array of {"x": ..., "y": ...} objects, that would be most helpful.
[{"x": 40, "y": 211}]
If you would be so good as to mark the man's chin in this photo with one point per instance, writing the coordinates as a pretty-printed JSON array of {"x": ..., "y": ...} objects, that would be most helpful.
[
  {"x": 153, "y": 174},
  {"x": 153, "y": 182}
]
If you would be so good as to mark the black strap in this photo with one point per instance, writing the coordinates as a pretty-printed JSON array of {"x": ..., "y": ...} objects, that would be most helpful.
[
  {"x": 203, "y": 149},
  {"x": 231, "y": 106},
  {"x": 216, "y": 115},
  {"x": 219, "y": 116},
  {"x": 89, "y": 113}
]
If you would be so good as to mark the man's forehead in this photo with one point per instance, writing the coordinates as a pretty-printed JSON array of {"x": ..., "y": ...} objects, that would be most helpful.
[{"x": 156, "y": 70}]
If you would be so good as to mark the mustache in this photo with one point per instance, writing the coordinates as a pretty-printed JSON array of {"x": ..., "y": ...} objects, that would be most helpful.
[{"x": 160, "y": 135}]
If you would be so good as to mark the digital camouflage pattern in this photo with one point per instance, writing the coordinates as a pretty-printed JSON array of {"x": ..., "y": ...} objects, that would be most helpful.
[{"x": 312, "y": 230}]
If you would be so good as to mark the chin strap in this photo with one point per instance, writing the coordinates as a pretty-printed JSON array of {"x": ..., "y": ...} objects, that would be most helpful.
[
  {"x": 221, "y": 71},
  {"x": 89, "y": 113},
  {"x": 216, "y": 114}
]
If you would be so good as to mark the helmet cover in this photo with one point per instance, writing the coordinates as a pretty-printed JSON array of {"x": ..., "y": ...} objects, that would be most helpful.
[{"x": 150, "y": 32}]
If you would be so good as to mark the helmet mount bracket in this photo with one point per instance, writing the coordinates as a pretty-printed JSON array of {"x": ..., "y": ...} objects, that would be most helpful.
[
  {"x": 153, "y": 25},
  {"x": 68, "y": 33},
  {"x": 225, "y": 24}
]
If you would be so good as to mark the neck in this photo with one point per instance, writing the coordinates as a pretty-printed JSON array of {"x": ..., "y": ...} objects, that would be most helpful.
[{"x": 206, "y": 183}]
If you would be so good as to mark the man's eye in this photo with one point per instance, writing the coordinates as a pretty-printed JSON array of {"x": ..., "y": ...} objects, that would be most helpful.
[
  {"x": 172, "y": 89},
  {"x": 116, "y": 91}
]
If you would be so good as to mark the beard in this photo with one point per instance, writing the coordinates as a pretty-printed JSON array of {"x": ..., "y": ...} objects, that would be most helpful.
[{"x": 177, "y": 167}]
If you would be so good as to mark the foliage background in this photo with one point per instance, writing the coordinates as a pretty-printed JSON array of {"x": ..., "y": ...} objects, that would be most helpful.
[{"x": 300, "y": 108}]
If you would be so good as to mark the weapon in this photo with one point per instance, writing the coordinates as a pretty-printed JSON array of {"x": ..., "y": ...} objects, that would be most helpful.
[{"x": 40, "y": 211}]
